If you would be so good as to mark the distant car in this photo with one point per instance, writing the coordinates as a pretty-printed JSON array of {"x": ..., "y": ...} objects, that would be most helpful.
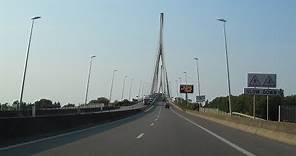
[
  {"x": 146, "y": 101},
  {"x": 150, "y": 100},
  {"x": 167, "y": 105}
]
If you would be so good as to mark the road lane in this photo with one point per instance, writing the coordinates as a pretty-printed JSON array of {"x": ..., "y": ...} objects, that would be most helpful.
[
  {"x": 117, "y": 141},
  {"x": 172, "y": 134},
  {"x": 253, "y": 143},
  {"x": 38, "y": 146}
]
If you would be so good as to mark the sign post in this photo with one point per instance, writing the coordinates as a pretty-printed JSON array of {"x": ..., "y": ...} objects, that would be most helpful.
[
  {"x": 201, "y": 98},
  {"x": 254, "y": 105},
  {"x": 186, "y": 89},
  {"x": 267, "y": 109},
  {"x": 262, "y": 81}
]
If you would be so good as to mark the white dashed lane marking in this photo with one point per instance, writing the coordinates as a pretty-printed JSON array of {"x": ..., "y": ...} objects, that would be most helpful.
[{"x": 140, "y": 136}]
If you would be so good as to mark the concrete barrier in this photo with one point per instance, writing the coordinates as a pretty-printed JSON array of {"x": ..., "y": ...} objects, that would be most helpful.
[
  {"x": 280, "y": 131},
  {"x": 21, "y": 127}
]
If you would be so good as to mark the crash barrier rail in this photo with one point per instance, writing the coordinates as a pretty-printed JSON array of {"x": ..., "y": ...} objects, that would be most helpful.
[
  {"x": 54, "y": 111},
  {"x": 213, "y": 110},
  {"x": 245, "y": 116},
  {"x": 217, "y": 111}
]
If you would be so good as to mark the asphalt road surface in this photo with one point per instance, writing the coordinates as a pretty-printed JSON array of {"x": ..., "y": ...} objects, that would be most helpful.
[{"x": 157, "y": 132}]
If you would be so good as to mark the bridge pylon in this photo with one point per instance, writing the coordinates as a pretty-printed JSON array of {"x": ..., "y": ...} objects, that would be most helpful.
[{"x": 160, "y": 82}]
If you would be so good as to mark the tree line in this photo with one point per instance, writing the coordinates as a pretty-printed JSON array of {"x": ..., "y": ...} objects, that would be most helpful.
[
  {"x": 244, "y": 104},
  {"x": 46, "y": 103}
]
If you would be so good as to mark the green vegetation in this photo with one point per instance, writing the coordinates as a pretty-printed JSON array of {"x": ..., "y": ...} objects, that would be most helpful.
[
  {"x": 42, "y": 103},
  {"x": 69, "y": 105},
  {"x": 102, "y": 100},
  {"x": 46, "y": 103},
  {"x": 185, "y": 105},
  {"x": 244, "y": 104},
  {"x": 125, "y": 102}
]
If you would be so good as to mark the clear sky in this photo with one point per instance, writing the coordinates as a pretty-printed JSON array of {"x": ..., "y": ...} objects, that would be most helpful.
[{"x": 123, "y": 34}]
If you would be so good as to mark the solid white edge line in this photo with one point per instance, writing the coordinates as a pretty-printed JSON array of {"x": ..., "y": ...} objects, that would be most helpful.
[
  {"x": 44, "y": 139},
  {"x": 157, "y": 117},
  {"x": 140, "y": 136},
  {"x": 149, "y": 109},
  {"x": 240, "y": 149}
]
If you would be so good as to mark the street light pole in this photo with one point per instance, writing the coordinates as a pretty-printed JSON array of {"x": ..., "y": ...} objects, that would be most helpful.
[
  {"x": 185, "y": 77},
  {"x": 140, "y": 89},
  {"x": 177, "y": 88},
  {"x": 130, "y": 91},
  {"x": 110, "y": 96},
  {"x": 124, "y": 79},
  {"x": 89, "y": 73},
  {"x": 26, "y": 63},
  {"x": 198, "y": 83},
  {"x": 180, "y": 82},
  {"x": 186, "y": 94},
  {"x": 144, "y": 89},
  {"x": 197, "y": 72},
  {"x": 227, "y": 62}
]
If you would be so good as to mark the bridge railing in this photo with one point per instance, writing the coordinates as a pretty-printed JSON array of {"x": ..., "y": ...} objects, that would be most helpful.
[
  {"x": 245, "y": 115},
  {"x": 55, "y": 111},
  {"x": 217, "y": 111},
  {"x": 213, "y": 110},
  {"x": 287, "y": 113}
]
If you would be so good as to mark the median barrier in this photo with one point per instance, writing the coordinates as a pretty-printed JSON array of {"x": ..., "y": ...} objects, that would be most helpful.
[
  {"x": 14, "y": 128},
  {"x": 54, "y": 111}
]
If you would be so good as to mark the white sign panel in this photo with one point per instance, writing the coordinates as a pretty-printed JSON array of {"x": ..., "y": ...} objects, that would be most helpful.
[
  {"x": 201, "y": 98},
  {"x": 262, "y": 80},
  {"x": 261, "y": 91}
]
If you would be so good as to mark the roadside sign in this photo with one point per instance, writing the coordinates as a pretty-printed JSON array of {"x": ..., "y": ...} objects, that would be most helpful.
[
  {"x": 186, "y": 88},
  {"x": 261, "y": 80},
  {"x": 261, "y": 91},
  {"x": 201, "y": 98}
]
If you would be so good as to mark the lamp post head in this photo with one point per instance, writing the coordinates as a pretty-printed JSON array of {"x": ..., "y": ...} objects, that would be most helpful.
[
  {"x": 93, "y": 56},
  {"x": 221, "y": 19},
  {"x": 196, "y": 58},
  {"x": 36, "y": 17}
]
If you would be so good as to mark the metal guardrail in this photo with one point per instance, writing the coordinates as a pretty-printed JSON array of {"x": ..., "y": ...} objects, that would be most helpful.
[
  {"x": 217, "y": 111},
  {"x": 68, "y": 110},
  {"x": 213, "y": 110},
  {"x": 246, "y": 116}
]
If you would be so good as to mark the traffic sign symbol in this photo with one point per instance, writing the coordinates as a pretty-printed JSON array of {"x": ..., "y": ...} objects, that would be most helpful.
[
  {"x": 255, "y": 81},
  {"x": 261, "y": 80},
  {"x": 268, "y": 82}
]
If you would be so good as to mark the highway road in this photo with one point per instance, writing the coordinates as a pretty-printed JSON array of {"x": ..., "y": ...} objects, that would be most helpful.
[{"x": 157, "y": 132}]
